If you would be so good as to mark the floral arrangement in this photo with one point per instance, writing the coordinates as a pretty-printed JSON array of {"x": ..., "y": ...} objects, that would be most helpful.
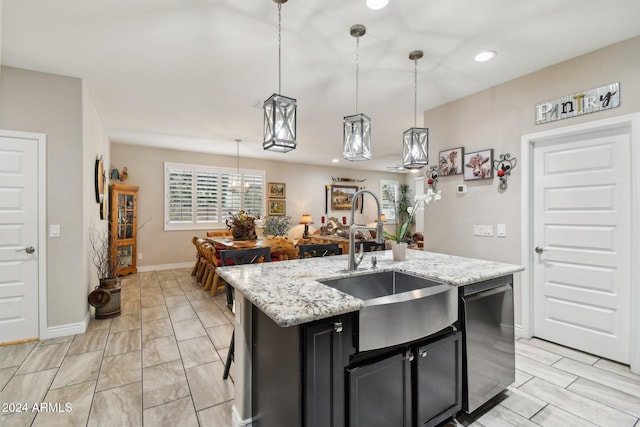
[
  {"x": 276, "y": 225},
  {"x": 419, "y": 201},
  {"x": 242, "y": 225}
]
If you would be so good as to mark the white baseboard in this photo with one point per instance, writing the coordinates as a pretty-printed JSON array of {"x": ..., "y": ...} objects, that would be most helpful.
[
  {"x": 517, "y": 329},
  {"x": 159, "y": 267},
  {"x": 66, "y": 330},
  {"x": 236, "y": 421}
]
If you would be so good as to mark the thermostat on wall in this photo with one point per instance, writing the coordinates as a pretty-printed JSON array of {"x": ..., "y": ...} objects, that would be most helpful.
[{"x": 462, "y": 188}]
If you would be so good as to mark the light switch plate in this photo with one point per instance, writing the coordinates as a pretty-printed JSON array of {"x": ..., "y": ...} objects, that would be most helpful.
[
  {"x": 501, "y": 230},
  {"x": 54, "y": 230}
]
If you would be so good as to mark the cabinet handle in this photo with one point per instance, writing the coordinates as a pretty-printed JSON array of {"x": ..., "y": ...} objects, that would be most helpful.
[
  {"x": 337, "y": 326},
  {"x": 423, "y": 352},
  {"x": 409, "y": 356}
]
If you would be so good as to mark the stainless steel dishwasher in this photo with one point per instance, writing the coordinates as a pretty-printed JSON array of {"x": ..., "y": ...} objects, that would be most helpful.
[{"x": 486, "y": 311}]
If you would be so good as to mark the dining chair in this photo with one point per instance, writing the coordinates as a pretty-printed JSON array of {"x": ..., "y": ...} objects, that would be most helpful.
[
  {"x": 370, "y": 246},
  {"x": 239, "y": 257},
  {"x": 318, "y": 250}
]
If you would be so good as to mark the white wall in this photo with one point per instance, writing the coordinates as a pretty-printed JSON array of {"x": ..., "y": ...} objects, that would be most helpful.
[
  {"x": 497, "y": 118},
  {"x": 304, "y": 194},
  {"x": 50, "y": 104},
  {"x": 95, "y": 144}
]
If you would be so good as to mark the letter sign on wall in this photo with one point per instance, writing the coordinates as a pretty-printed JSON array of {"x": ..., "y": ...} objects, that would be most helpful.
[{"x": 589, "y": 101}]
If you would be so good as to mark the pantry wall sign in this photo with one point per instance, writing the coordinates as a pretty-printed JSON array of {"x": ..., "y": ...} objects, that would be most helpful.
[{"x": 589, "y": 101}]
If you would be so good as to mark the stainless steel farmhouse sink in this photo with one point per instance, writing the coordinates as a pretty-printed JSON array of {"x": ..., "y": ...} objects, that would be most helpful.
[{"x": 398, "y": 307}]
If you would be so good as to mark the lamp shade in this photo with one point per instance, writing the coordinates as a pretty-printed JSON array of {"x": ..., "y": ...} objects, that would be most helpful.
[
  {"x": 306, "y": 219},
  {"x": 356, "y": 137},
  {"x": 415, "y": 148},
  {"x": 279, "y": 123}
]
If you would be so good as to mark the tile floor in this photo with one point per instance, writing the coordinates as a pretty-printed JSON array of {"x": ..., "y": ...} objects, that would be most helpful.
[{"x": 160, "y": 364}]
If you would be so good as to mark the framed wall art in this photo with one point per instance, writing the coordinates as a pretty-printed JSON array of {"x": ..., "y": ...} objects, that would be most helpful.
[
  {"x": 478, "y": 165},
  {"x": 450, "y": 161},
  {"x": 277, "y": 207},
  {"x": 342, "y": 196},
  {"x": 388, "y": 196},
  {"x": 277, "y": 190}
]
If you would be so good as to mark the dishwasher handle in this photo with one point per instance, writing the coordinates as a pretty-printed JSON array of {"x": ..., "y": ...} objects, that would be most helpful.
[{"x": 488, "y": 292}]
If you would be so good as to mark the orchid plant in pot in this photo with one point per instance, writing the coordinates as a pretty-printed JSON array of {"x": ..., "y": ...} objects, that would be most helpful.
[{"x": 400, "y": 238}]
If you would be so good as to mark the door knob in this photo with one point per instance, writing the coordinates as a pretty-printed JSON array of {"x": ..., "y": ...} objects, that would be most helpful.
[
  {"x": 28, "y": 249},
  {"x": 539, "y": 250}
]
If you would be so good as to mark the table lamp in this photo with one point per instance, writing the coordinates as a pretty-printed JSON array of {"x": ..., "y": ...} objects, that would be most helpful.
[{"x": 306, "y": 220}]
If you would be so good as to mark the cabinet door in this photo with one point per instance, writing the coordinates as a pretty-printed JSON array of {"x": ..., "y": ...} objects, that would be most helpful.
[
  {"x": 380, "y": 393},
  {"x": 328, "y": 344},
  {"x": 439, "y": 380}
]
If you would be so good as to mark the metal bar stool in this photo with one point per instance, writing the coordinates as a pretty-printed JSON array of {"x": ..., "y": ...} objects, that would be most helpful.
[{"x": 239, "y": 257}]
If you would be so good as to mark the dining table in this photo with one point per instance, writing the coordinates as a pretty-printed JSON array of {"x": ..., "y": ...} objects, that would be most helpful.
[
  {"x": 281, "y": 248},
  {"x": 229, "y": 243}
]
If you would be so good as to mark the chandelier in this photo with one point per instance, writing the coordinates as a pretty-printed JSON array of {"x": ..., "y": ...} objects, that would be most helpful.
[
  {"x": 279, "y": 131},
  {"x": 356, "y": 135},
  {"x": 415, "y": 140}
]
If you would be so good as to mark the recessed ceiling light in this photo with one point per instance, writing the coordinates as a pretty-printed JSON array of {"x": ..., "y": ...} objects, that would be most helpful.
[
  {"x": 485, "y": 56},
  {"x": 376, "y": 4}
]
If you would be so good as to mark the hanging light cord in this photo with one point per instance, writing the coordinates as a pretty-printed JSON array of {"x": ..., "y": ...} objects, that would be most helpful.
[
  {"x": 357, "y": 69},
  {"x": 279, "y": 48},
  {"x": 415, "y": 93}
]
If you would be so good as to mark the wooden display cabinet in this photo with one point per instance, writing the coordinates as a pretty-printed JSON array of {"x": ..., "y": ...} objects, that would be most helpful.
[{"x": 123, "y": 223}]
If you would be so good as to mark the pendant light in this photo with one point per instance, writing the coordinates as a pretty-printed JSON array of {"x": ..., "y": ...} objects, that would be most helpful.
[
  {"x": 415, "y": 141},
  {"x": 236, "y": 185},
  {"x": 356, "y": 135},
  {"x": 279, "y": 132}
]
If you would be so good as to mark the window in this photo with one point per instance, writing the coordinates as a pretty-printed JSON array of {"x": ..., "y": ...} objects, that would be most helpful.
[{"x": 201, "y": 197}]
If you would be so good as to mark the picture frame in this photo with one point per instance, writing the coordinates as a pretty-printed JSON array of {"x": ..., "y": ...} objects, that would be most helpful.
[
  {"x": 450, "y": 161},
  {"x": 342, "y": 196},
  {"x": 277, "y": 207},
  {"x": 478, "y": 165},
  {"x": 277, "y": 190},
  {"x": 388, "y": 195}
]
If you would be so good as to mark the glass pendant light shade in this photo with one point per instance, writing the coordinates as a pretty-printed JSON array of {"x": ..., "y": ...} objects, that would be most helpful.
[
  {"x": 356, "y": 137},
  {"x": 356, "y": 129},
  {"x": 279, "y": 123},
  {"x": 415, "y": 148},
  {"x": 415, "y": 141},
  {"x": 279, "y": 130}
]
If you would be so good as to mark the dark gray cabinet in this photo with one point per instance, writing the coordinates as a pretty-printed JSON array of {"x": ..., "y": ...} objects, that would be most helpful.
[
  {"x": 380, "y": 393},
  {"x": 311, "y": 375},
  {"x": 438, "y": 376},
  {"x": 328, "y": 346}
]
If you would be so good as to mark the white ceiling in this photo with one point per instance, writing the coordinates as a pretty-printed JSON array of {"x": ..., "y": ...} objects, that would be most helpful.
[{"x": 193, "y": 74}]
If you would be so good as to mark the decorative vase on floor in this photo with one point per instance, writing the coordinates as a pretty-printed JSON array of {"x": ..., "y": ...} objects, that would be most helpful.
[{"x": 399, "y": 251}]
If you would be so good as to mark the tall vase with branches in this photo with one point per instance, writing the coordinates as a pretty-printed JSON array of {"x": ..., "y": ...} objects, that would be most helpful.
[{"x": 102, "y": 255}]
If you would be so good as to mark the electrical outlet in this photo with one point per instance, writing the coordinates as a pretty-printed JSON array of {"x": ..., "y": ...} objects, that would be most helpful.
[{"x": 483, "y": 230}]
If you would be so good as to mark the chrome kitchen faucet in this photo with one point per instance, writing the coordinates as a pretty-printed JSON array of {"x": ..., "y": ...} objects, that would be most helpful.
[{"x": 353, "y": 260}]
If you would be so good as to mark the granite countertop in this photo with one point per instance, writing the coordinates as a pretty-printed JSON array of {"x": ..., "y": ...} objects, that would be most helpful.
[{"x": 289, "y": 292}]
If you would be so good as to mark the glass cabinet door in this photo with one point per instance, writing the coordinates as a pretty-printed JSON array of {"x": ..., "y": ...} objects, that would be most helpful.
[
  {"x": 124, "y": 256},
  {"x": 123, "y": 227}
]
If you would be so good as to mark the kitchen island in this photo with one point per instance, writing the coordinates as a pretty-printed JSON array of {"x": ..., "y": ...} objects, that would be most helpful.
[{"x": 290, "y": 296}]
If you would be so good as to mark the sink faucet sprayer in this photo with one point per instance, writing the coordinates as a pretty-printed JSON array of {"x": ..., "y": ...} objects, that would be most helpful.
[{"x": 353, "y": 260}]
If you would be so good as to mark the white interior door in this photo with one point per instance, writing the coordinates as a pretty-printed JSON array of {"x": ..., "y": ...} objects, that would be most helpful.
[
  {"x": 18, "y": 239},
  {"x": 581, "y": 228}
]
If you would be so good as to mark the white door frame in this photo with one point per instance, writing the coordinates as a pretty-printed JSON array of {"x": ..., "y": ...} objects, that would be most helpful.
[
  {"x": 632, "y": 122},
  {"x": 42, "y": 222}
]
